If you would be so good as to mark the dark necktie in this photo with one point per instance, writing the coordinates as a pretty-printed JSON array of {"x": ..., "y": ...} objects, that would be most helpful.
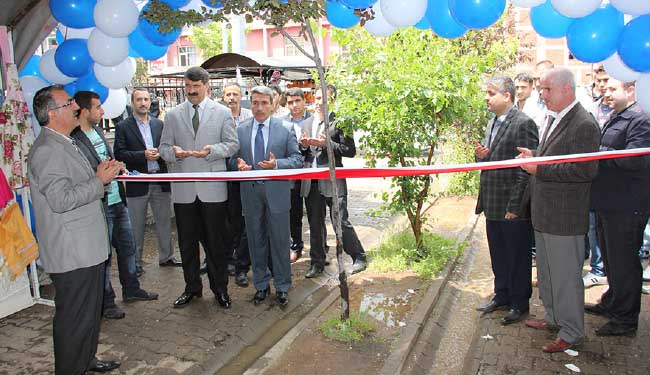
[
  {"x": 195, "y": 118},
  {"x": 259, "y": 146},
  {"x": 547, "y": 131},
  {"x": 495, "y": 129}
]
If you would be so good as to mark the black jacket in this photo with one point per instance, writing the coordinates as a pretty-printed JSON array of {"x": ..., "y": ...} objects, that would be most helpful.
[{"x": 623, "y": 184}]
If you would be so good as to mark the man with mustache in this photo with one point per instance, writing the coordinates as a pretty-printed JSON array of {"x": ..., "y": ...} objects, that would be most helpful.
[
  {"x": 199, "y": 135},
  {"x": 136, "y": 143}
]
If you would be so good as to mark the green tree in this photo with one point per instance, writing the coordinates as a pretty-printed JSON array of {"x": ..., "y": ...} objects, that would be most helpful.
[
  {"x": 209, "y": 38},
  {"x": 409, "y": 93}
]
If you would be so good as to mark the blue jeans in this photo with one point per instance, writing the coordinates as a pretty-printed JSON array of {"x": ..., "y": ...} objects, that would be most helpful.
[
  {"x": 120, "y": 235},
  {"x": 597, "y": 267}
]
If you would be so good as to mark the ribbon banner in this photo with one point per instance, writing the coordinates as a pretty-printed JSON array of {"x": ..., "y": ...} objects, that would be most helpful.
[{"x": 323, "y": 173}]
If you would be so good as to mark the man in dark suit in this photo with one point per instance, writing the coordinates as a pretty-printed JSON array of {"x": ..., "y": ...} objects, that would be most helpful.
[
  {"x": 95, "y": 147},
  {"x": 509, "y": 231},
  {"x": 266, "y": 143},
  {"x": 71, "y": 230},
  {"x": 199, "y": 135},
  {"x": 318, "y": 193},
  {"x": 621, "y": 198},
  {"x": 560, "y": 208},
  {"x": 136, "y": 144}
]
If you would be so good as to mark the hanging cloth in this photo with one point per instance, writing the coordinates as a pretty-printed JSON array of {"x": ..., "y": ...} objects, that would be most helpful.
[{"x": 17, "y": 242}]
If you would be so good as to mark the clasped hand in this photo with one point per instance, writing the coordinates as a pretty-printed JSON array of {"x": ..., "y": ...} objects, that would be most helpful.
[{"x": 108, "y": 169}]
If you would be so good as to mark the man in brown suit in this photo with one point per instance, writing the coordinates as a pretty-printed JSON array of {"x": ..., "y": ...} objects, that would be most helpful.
[{"x": 560, "y": 208}]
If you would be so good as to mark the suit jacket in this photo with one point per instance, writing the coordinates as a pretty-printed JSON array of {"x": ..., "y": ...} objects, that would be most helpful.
[
  {"x": 216, "y": 129},
  {"x": 502, "y": 190},
  {"x": 70, "y": 224},
  {"x": 284, "y": 145},
  {"x": 129, "y": 148},
  {"x": 342, "y": 146},
  {"x": 560, "y": 192},
  {"x": 87, "y": 148}
]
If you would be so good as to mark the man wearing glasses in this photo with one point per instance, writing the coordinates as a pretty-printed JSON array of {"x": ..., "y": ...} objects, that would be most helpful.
[{"x": 71, "y": 229}]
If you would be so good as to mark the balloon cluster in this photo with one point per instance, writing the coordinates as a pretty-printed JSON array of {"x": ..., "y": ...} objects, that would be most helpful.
[
  {"x": 98, "y": 41},
  {"x": 595, "y": 30}
]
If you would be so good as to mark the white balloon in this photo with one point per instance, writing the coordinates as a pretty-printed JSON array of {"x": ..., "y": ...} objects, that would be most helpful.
[
  {"x": 617, "y": 69},
  {"x": 116, "y": 18},
  {"x": 527, "y": 3},
  {"x": 576, "y": 8},
  {"x": 378, "y": 26},
  {"x": 643, "y": 92},
  {"x": 50, "y": 71},
  {"x": 115, "y": 103},
  {"x": 30, "y": 85},
  {"x": 107, "y": 50},
  {"x": 70, "y": 33},
  {"x": 115, "y": 77},
  {"x": 134, "y": 63},
  {"x": 403, "y": 13},
  {"x": 632, "y": 7}
]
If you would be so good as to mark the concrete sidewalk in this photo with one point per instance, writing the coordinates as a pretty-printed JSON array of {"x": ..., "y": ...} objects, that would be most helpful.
[{"x": 155, "y": 338}]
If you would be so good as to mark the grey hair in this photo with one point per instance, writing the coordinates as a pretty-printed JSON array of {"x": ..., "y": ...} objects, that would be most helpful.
[
  {"x": 43, "y": 102},
  {"x": 241, "y": 91},
  {"x": 295, "y": 91},
  {"x": 196, "y": 73},
  {"x": 503, "y": 85},
  {"x": 263, "y": 90},
  {"x": 561, "y": 77}
]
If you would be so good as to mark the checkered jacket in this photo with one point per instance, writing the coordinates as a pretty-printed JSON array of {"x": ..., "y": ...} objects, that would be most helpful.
[{"x": 501, "y": 190}]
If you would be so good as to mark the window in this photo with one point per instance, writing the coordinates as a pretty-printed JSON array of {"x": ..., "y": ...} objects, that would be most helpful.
[
  {"x": 186, "y": 56},
  {"x": 290, "y": 48}
]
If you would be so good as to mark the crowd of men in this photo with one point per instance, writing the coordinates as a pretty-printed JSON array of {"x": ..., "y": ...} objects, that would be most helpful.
[
  {"x": 82, "y": 211},
  {"x": 565, "y": 210}
]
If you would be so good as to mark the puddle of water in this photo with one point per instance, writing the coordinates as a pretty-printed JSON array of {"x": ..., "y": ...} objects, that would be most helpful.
[{"x": 389, "y": 310}]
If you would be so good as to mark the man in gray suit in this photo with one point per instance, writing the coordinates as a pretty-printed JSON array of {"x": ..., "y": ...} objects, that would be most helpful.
[
  {"x": 71, "y": 230},
  {"x": 198, "y": 136},
  {"x": 560, "y": 208},
  {"x": 266, "y": 143}
]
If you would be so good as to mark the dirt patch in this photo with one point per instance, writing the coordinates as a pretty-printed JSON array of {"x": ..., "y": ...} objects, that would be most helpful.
[{"x": 388, "y": 299}]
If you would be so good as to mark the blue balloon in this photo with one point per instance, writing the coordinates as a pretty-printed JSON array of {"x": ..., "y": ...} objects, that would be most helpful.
[
  {"x": 151, "y": 32},
  {"x": 77, "y": 14},
  {"x": 594, "y": 38},
  {"x": 358, "y": 4},
  {"x": 340, "y": 15},
  {"x": 548, "y": 22},
  {"x": 59, "y": 36},
  {"x": 31, "y": 68},
  {"x": 423, "y": 24},
  {"x": 442, "y": 22},
  {"x": 142, "y": 47},
  {"x": 477, "y": 14},
  {"x": 71, "y": 88},
  {"x": 72, "y": 58},
  {"x": 175, "y": 4},
  {"x": 90, "y": 83},
  {"x": 634, "y": 44},
  {"x": 209, "y": 3}
]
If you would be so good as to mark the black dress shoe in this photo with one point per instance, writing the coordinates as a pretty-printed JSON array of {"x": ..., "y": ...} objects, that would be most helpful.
[
  {"x": 171, "y": 263},
  {"x": 104, "y": 366},
  {"x": 596, "y": 309},
  {"x": 261, "y": 295},
  {"x": 297, "y": 246},
  {"x": 314, "y": 270},
  {"x": 492, "y": 306},
  {"x": 140, "y": 295},
  {"x": 185, "y": 298},
  {"x": 113, "y": 313},
  {"x": 241, "y": 279},
  {"x": 514, "y": 316},
  {"x": 231, "y": 269},
  {"x": 223, "y": 299},
  {"x": 282, "y": 298},
  {"x": 616, "y": 329}
]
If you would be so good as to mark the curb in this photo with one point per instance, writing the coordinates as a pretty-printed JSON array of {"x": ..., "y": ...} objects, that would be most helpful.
[{"x": 402, "y": 348}]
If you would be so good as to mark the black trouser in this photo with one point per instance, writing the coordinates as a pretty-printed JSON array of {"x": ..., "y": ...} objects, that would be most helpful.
[
  {"x": 620, "y": 235},
  {"x": 295, "y": 215},
  {"x": 205, "y": 220},
  {"x": 237, "y": 246},
  {"x": 509, "y": 243},
  {"x": 78, "y": 299}
]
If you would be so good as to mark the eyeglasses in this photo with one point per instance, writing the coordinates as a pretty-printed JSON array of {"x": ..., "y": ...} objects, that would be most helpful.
[{"x": 67, "y": 104}]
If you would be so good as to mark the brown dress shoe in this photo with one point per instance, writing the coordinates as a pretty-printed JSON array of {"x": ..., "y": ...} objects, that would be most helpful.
[
  {"x": 556, "y": 346},
  {"x": 538, "y": 324}
]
